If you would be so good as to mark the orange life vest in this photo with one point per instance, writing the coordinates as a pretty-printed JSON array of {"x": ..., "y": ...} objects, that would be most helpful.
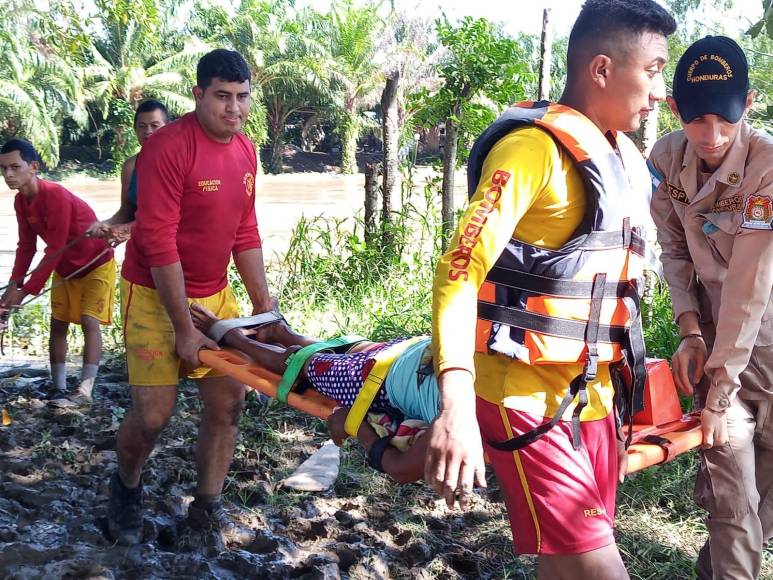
[{"x": 580, "y": 302}]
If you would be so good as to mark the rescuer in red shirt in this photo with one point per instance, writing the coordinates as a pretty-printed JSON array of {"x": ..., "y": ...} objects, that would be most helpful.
[
  {"x": 195, "y": 210},
  {"x": 83, "y": 282}
]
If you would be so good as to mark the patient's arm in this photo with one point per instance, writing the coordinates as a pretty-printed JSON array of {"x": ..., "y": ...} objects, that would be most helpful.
[
  {"x": 402, "y": 466},
  {"x": 269, "y": 356}
]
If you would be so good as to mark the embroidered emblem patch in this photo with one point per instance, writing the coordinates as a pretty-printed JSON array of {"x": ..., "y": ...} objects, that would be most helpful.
[
  {"x": 758, "y": 213},
  {"x": 733, "y": 178},
  {"x": 249, "y": 184},
  {"x": 734, "y": 203},
  {"x": 677, "y": 194}
]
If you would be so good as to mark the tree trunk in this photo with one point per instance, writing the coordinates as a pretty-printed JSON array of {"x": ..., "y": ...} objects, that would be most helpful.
[
  {"x": 390, "y": 127},
  {"x": 449, "y": 166},
  {"x": 350, "y": 132},
  {"x": 372, "y": 171},
  {"x": 276, "y": 164},
  {"x": 545, "y": 56},
  {"x": 276, "y": 130},
  {"x": 647, "y": 134},
  {"x": 305, "y": 129},
  {"x": 431, "y": 140}
]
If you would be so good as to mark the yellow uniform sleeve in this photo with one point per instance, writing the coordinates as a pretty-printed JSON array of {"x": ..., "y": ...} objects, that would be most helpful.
[{"x": 517, "y": 173}]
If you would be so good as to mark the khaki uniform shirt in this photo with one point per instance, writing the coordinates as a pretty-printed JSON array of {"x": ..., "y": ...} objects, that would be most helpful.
[{"x": 716, "y": 238}]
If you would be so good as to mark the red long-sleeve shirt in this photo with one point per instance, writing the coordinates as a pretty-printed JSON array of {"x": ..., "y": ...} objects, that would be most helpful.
[
  {"x": 196, "y": 205},
  {"x": 58, "y": 217}
]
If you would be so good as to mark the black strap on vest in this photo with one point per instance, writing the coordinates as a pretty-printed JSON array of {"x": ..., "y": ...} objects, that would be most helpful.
[
  {"x": 578, "y": 387},
  {"x": 544, "y": 324},
  {"x": 557, "y": 287},
  {"x": 531, "y": 436},
  {"x": 635, "y": 355}
]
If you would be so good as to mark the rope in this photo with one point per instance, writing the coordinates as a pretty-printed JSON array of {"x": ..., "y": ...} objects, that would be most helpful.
[
  {"x": 6, "y": 314},
  {"x": 52, "y": 256}
]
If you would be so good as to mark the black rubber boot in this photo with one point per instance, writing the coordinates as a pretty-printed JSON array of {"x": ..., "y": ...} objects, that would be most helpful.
[
  {"x": 211, "y": 519},
  {"x": 124, "y": 512}
]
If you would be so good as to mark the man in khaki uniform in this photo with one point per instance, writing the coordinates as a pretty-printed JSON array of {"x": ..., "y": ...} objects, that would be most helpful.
[{"x": 713, "y": 206}]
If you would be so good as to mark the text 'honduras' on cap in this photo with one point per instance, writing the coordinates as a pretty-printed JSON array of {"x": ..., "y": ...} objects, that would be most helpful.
[{"x": 712, "y": 77}]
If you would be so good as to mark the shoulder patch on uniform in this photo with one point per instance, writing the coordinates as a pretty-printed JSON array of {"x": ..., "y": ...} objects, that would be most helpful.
[
  {"x": 655, "y": 175},
  {"x": 734, "y": 203},
  {"x": 758, "y": 213},
  {"x": 677, "y": 194}
]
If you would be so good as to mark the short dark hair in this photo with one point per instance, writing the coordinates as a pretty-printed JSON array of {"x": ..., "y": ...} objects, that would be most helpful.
[
  {"x": 148, "y": 106},
  {"x": 227, "y": 65},
  {"x": 26, "y": 150},
  {"x": 604, "y": 25}
]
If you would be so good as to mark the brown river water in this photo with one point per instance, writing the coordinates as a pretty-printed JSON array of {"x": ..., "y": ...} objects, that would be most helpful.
[{"x": 281, "y": 201}]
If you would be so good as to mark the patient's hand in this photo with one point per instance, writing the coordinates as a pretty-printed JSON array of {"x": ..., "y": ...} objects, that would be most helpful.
[{"x": 335, "y": 425}]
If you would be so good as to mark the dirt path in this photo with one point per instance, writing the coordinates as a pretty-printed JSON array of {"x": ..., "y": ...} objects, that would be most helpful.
[
  {"x": 54, "y": 470},
  {"x": 281, "y": 201}
]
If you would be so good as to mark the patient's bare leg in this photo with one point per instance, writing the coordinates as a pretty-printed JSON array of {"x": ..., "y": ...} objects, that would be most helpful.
[{"x": 269, "y": 356}]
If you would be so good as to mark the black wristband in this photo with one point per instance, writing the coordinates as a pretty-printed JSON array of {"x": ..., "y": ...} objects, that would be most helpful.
[
  {"x": 376, "y": 453},
  {"x": 691, "y": 335}
]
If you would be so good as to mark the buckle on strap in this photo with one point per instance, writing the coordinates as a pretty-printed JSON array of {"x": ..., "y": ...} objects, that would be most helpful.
[
  {"x": 219, "y": 329},
  {"x": 627, "y": 233},
  {"x": 590, "y": 370},
  {"x": 580, "y": 387}
]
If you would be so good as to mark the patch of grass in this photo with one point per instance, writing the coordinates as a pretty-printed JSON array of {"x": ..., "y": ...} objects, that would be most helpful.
[{"x": 661, "y": 333}]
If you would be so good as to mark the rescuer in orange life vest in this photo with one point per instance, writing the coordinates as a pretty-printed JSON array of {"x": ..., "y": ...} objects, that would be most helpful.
[
  {"x": 713, "y": 205},
  {"x": 536, "y": 302}
]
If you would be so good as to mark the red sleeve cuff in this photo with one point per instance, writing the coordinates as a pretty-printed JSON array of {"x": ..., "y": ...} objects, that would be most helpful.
[
  {"x": 244, "y": 246},
  {"x": 163, "y": 259},
  {"x": 33, "y": 287}
]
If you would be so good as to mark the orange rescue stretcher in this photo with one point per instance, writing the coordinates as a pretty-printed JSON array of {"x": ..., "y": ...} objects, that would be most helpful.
[{"x": 660, "y": 431}]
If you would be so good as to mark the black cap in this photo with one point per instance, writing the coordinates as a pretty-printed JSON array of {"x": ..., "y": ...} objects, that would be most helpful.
[{"x": 712, "y": 77}]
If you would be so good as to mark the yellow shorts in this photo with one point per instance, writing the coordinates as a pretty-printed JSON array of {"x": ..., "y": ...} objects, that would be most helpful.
[
  {"x": 149, "y": 336},
  {"x": 92, "y": 295}
]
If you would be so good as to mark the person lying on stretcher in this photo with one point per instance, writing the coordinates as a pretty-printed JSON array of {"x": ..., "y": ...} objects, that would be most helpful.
[{"x": 404, "y": 406}]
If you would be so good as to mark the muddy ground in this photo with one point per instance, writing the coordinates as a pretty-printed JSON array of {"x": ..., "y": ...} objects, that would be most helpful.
[{"x": 54, "y": 470}]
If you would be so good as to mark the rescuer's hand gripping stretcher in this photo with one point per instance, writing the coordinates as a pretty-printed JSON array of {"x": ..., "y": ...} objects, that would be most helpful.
[{"x": 386, "y": 395}]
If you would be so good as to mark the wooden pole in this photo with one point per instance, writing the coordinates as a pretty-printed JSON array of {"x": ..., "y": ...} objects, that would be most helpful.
[
  {"x": 546, "y": 45},
  {"x": 390, "y": 131}
]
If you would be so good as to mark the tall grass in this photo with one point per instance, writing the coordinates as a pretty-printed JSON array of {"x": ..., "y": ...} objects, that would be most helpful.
[{"x": 332, "y": 280}]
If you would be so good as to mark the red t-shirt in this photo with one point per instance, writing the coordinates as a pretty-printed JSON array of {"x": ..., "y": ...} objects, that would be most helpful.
[
  {"x": 57, "y": 216},
  {"x": 195, "y": 205}
]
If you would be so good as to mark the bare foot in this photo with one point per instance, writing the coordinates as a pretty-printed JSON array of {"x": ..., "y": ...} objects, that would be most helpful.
[{"x": 202, "y": 317}]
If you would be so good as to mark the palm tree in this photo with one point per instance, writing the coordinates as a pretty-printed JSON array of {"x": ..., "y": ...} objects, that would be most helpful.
[
  {"x": 289, "y": 64},
  {"x": 295, "y": 79},
  {"x": 351, "y": 34},
  {"x": 38, "y": 88},
  {"x": 138, "y": 54}
]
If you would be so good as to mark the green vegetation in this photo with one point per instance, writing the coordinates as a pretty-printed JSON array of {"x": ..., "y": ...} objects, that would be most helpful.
[
  {"x": 76, "y": 79},
  {"x": 71, "y": 82}
]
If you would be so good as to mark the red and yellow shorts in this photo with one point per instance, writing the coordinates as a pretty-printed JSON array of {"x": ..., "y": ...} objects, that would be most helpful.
[
  {"x": 91, "y": 295},
  {"x": 149, "y": 335},
  {"x": 561, "y": 501}
]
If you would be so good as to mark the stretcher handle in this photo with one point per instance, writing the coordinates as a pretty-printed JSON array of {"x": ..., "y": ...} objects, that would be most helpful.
[{"x": 238, "y": 366}]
